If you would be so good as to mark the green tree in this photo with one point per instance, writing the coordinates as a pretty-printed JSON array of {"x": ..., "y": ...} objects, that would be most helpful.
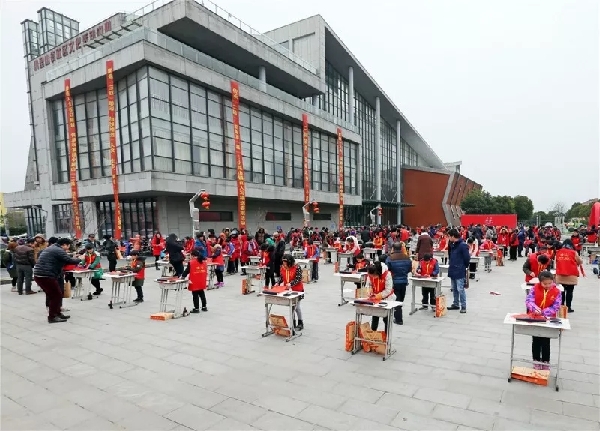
[
  {"x": 503, "y": 205},
  {"x": 523, "y": 207},
  {"x": 478, "y": 202}
]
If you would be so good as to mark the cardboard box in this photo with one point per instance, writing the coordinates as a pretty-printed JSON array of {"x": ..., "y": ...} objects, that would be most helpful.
[
  {"x": 161, "y": 316},
  {"x": 368, "y": 334},
  {"x": 280, "y": 325},
  {"x": 305, "y": 276},
  {"x": 440, "y": 306},
  {"x": 361, "y": 293},
  {"x": 350, "y": 328},
  {"x": 537, "y": 377}
]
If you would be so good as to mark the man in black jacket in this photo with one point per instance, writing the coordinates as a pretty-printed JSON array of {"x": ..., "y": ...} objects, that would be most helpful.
[
  {"x": 24, "y": 257},
  {"x": 110, "y": 247},
  {"x": 46, "y": 273}
]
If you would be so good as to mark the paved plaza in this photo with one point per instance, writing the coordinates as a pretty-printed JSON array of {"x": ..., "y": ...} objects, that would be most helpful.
[{"x": 117, "y": 369}]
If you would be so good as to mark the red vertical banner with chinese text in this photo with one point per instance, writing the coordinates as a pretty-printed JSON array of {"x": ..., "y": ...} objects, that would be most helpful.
[
  {"x": 112, "y": 140},
  {"x": 340, "y": 151},
  {"x": 305, "y": 168},
  {"x": 72, "y": 130},
  {"x": 239, "y": 160}
]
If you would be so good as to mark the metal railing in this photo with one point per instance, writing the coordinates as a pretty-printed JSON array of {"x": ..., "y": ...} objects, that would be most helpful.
[
  {"x": 156, "y": 38},
  {"x": 229, "y": 17}
]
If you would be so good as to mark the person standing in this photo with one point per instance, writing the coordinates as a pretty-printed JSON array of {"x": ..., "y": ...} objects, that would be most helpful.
[
  {"x": 458, "y": 262},
  {"x": 137, "y": 265},
  {"x": 568, "y": 263},
  {"x": 514, "y": 245},
  {"x": 424, "y": 245},
  {"x": 197, "y": 270},
  {"x": 92, "y": 261},
  {"x": 380, "y": 284},
  {"x": 400, "y": 265},
  {"x": 24, "y": 256},
  {"x": 8, "y": 260},
  {"x": 157, "y": 244},
  {"x": 46, "y": 273},
  {"x": 110, "y": 247},
  {"x": 175, "y": 251}
]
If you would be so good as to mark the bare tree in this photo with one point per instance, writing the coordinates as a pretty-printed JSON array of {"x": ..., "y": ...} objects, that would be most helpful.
[
  {"x": 87, "y": 218},
  {"x": 260, "y": 217},
  {"x": 559, "y": 208}
]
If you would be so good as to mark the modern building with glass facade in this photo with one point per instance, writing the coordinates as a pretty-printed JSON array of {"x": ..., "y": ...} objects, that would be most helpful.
[{"x": 173, "y": 65}]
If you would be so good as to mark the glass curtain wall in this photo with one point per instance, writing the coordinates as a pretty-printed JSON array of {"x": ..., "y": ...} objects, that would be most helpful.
[
  {"x": 140, "y": 217},
  {"x": 168, "y": 124},
  {"x": 389, "y": 179}
]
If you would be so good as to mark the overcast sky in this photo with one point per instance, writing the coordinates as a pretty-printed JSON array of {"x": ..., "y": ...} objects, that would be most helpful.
[{"x": 509, "y": 87}]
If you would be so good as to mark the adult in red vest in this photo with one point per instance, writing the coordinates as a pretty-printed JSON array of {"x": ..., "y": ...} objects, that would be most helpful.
[
  {"x": 137, "y": 265},
  {"x": 381, "y": 285},
  {"x": 568, "y": 263},
  {"x": 503, "y": 240},
  {"x": 217, "y": 259},
  {"x": 576, "y": 239},
  {"x": 198, "y": 277},
  {"x": 158, "y": 245},
  {"x": 592, "y": 235},
  {"x": 513, "y": 245},
  {"x": 544, "y": 299},
  {"x": 534, "y": 264},
  {"x": 237, "y": 251},
  {"x": 291, "y": 277}
]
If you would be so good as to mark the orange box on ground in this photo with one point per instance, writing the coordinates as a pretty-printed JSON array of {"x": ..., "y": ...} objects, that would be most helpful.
[
  {"x": 161, "y": 316},
  {"x": 350, "y": 327},
  {"x": 367, "y": 333},
  {"x": 280, "y": 325},
  {"x": 537, "y": 377},
  {"x": 305, "y": 276},
  {"x": 440, "y": 306}
]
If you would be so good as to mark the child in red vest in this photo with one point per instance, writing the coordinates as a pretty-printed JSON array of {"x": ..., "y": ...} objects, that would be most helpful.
[
  {"x": 380, "y": 283},
  {"x": 198, "y": 277},
  {"x": 544, "y": 299},
  {"x": 428, "y": 267},
  {"x": 311, "y": 251},
  {"x": 291, "y": 277},
  {"x": 137, "y": 265}
]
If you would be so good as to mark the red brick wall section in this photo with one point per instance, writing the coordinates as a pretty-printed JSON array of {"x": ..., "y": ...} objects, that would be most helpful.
[{"x": 425, "y": 190}]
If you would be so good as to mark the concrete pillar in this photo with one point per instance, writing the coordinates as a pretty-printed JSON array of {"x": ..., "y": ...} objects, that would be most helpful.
[
  {"x": 399, "y": 171},
  {"x": 351, "y": 95},
  {"x": 315, "y": 101},
  {"x": 262, "y": 77},
  {"x": 378, "y": 153}
]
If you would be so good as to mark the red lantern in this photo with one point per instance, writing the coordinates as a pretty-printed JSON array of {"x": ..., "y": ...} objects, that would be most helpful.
[
  {"x": 204, "y": 196},
  {"x": 315, "y": 204},
  {"x": 206, "y": 205}
]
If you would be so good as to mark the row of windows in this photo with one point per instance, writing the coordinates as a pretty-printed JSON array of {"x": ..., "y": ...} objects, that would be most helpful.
[
  {"x": 63, "y": 218},
  {"x": 139, "y": 217},
  {"x": 165, "y": 123},
  {"x": 336, "y": 101}
]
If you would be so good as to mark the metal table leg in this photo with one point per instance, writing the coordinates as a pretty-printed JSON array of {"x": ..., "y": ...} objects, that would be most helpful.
[
  {"x": 357, "y": 345},
  {"x": 342, "y": 300},
  {"x": 413, "y": 306},
  {"x": 512, "y": 350},
  {"x": 558, "y": 362}
]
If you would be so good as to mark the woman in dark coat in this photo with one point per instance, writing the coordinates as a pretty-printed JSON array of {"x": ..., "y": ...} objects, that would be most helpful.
[{"x": 175, "y": 251}]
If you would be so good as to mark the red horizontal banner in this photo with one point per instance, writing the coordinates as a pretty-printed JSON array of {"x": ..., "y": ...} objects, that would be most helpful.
[{"x": 509, "y": 220}]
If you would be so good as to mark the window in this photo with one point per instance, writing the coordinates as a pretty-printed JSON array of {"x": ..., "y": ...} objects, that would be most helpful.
[
  {"x": 321, "y": 216},
  {"x": 63, "y": 218},
  {"x": 215, "y": 216},
  {"x": 272, "y": 216},
  {"x": 140, "y": 217}
]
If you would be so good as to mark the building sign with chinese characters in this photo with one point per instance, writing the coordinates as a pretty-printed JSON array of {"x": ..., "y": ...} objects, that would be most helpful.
[
  {"x": 340, "y": 151},
  {"x": 76, "y": 44},
  {"x": 112, "y": 139},
  {"x": 72, "y": 130},
  {"x": 305, "y": 170},
  {"x": 239, "y": 160}
]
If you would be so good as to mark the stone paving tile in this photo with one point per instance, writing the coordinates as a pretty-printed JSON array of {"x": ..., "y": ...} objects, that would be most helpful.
[{"x": 117, "y": 369}]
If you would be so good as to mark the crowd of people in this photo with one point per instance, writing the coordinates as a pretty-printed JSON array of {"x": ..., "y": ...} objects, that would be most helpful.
[{"x": 400, "y": 249}]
